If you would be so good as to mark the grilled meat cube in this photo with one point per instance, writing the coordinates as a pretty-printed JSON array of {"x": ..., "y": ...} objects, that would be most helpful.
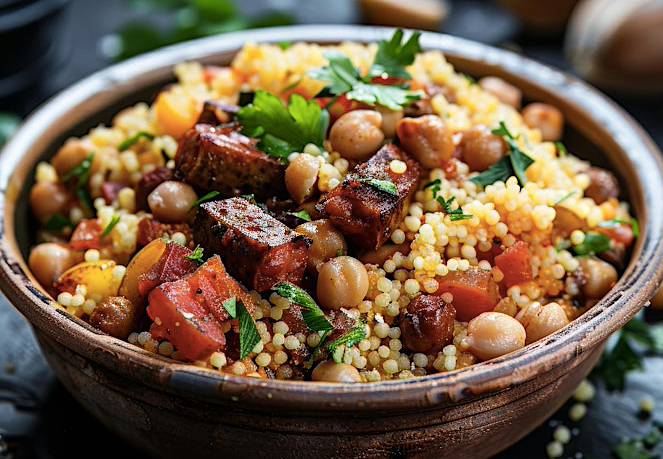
[
  {"x": 216, "y": 113},
  {"x": 256, "y": 248},
  {"x": 223, "y": 160},
  {"x": 362, "y": 211}
]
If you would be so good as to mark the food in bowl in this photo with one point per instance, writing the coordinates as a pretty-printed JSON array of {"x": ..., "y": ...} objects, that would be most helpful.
[{"x": 343, "y": 213}]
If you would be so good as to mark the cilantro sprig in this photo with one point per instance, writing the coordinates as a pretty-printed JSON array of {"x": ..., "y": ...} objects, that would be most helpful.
[
  {"x": 283, "y": 130},
  {"x": 209, "y": 196},
  {"x": 249, "y": 335},
  {"x": 515, "y": 162},
  {"x": 313, "y": 316},
  {"x": 382, "y": 185},
  {"x": 81, "y": 175},
  {"x": 454, "y": 214},
  {"x": 196, "y": 255},
  {"x": 393, "y": 56}
]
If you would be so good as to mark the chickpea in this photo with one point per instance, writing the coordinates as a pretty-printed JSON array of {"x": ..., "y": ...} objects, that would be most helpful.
[
  {"x": 72, "y": 153},
  {"x": 492, "y": 334},
  {"x": 171, "y": 201},
  {"x": 330, "y": 371},
  {"x": 427, "y": 139},
  {"x": 390, "y": 119},
  {"x": 301, "y": 177},
  {"x": 505, "y": 92},
  {"x": 386, "y": 251},
  {"x": 546, "y": 118},
  {"x": 327, "y": 242},
  {"x": 48, "y": 199},
  {"x": 342, "y": 283},
  {"x": 481, "y": 149},
  {"x": 603, "y": 185},
  {"x": 600, "y": 276},
  {"x": 49, "y": 260},
  {"x": 541, "y": 321},
  {"x": 357, "y": 134}
]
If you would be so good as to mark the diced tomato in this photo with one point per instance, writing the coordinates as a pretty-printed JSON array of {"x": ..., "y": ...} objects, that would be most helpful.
[
  {"x": 340, "y": 107},
  {"x": 515, "y": 263},
  {"x": 87, "y": 235},
  {"x": 172, "y": 265},
  {"x": 474, "y": 291},
  {"x": 622, "y": 233},
  {"x": 182, "y": 319}
]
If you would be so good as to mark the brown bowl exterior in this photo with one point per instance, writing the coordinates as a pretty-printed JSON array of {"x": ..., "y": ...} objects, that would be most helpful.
[{"x": 173, "y": 409}]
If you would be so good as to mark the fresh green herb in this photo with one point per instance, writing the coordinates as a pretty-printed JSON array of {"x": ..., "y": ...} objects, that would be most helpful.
[
  {"x": 563, "y": 245},
  {"x": 231, "y": 306},
  {"x": 313, "y": 316},
  {"x": 616, "y": 223},
  {"x": 593, "y": 243},
  {"x": 248, "y": 332},
  {"x": 284, "y": 45},
  {"x": 251, "y": 198},
  {"x": 290, "y": 87},
  {"x": 133, "y": 139},
  {"x": 114, "y": 221},
  {"x": 197, "y": 254},
  {"x": 86, "y": 199},
  {"x": 565, "y": 198},
  {"x": 57, "y": 222},
  {"x": 469, "y": 78},
  {"x": 382, "y": 185},
  {"x": 515, "y": 163},
  {"x": 652, "y": 438},
  {"x": 282, "y": 130},
  {"x": 561, "y": 149},
  {"x": 636, "y": 227},
  {"x": 301, "y": 214},
  {"x": 8, "y": 124},
  {"x": 435, "y": 183},
  {"x": 341, "y": 253},
  {"x": 456, "y": 214},
  {"x": 207, "y": 197},
  {"x": 352, "y": 336},
  {"x": 393, "y": 56},
  {"x": 80, "y": 172},
  {"x": 316, "y": 350}
]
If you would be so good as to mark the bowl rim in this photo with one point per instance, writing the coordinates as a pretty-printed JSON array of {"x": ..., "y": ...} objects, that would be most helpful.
[{"x": 636, "y": 286}]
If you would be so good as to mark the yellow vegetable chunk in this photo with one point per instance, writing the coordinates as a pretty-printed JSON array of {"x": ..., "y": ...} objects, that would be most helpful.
[
  {"x": 140, "y": 264},
  {"x": 99, "y": 277}
]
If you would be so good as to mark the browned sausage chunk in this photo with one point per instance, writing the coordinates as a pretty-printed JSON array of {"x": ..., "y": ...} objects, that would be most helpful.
[
  {"x": 223, "y": 160},
  {"x": 427, "y": 324},
  {"x": 115, "y": 315},
  {"x": 256, "y": 248},
  {"x": 150, "y": 229},
  {"x": 603, "y": 185},
  {"x": 364, "y": 212},
  {"x": 216, "y": 113}
]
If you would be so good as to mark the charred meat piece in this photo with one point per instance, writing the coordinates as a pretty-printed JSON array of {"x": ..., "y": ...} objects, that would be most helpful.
[
  {"x": 115, "y": 315},
  {"x": 361, "y": 209},
  {"x": 257, "y": 249},
  {"x": 216, "y": 113},
  {"x": 110, "y": 190},
  {"x": 603, "y": 185},
  {"x": 223, "y": 160},
  {"x": 171, "y": 266},
  {"x": 148, "y": 183},
  {"x": 150, "y": 229},
  {"x": 427, "y": 324}
]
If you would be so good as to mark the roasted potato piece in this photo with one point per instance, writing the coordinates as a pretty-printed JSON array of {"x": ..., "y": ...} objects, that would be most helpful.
[{"x": 98, "y": 276}]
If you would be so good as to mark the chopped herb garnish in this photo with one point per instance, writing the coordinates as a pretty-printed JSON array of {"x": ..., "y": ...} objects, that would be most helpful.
[
  {"x": 393, "y": 56},
  {"x": 285, "y": 45},
  {"x": 469, "y": 78},
  {"x": 514, "y": 163},
  {"x": 301, "y": 214},
  {"x": 114, "y": 221},
  {"x": 245, "y": 98},
  {"x": 313, "y": 316},
  {"x": 84, "y": 195},
  {"x": 231, "y": 306},
  {"x": 561, "y": 149},
  {"x": 135, "y": 138},
  {"x": 57, "y": 222},
  {"x": 251, "y": 198},
  {"x": 382, "y": 185},
  {"x": 455, "y": 215},
  {"x": 291, "y": 86},
  {"x": 80, "y": 172},
  {"x": 197, "y": 254},
  {"x": 317, "y": 348},
  {"x": 282, "y": 130},
  {"x": 352, "y": 336},
  {"x": 593, "y": 243},
  {"x": 616, "y": 223},
  {"x": 341, "y": 253},
  {"x": 207, "y": 197},
  {"x": 567, "y": 196},
  {"x": 563, "y": 245},
  {"x": 636, "y": 227},
  {"x": 248, "y": 332},
  {"x": 437, "y": 182}
]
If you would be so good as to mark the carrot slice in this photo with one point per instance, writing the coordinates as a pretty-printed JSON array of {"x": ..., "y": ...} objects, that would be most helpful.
[
  {"x": 515, "y": 264},
  {"x": 474, "y": 291}
]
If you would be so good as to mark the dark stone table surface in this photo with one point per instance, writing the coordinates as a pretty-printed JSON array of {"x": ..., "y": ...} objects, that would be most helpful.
[{"x": 39, "y": 419}]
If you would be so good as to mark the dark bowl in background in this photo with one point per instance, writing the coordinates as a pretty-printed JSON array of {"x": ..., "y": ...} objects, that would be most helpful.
[{"x": 175, "y": 410}]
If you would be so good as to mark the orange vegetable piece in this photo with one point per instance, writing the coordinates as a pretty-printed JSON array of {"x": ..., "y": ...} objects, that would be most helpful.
[
  {"x": 140, "y": 264},
  {"x": 474, "y": 291},
  {"x": 176, "y": 113},
  {"x": 87, "y": 235},
  {"x": 515, "y": 264}
]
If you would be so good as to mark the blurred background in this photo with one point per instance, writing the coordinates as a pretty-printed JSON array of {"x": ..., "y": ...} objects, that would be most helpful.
[{"x": 617, "y": 45}]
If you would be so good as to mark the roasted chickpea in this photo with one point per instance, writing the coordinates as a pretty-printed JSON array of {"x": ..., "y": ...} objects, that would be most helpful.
[
  {"x": 72, "y": 153},
  {"x": 427, "y": 324},
  {"x": 48, "y": 199},
  {"x": 546, "y": 118},
  {"x": 504, "y": 91},
  {"x": 382, "y": 254},
  {"x": 603, "y": 185},
  {"x": 327, "y": 242},
  {"x": 492, "y": 334},
  {"x": 390, "y": 119},
  {"x": 342, "y": 283},
  {"x": 540, "y": 321},
  {"x": 427, "y": 139},
  {"x": 481, "y": 149},
  {"x": 49, "y": 260},
  {"x": 330, "y": 371},
  {"x": 357, "y": 134},
  {"x": 301, "y": 177},
  {"x": 171, "y": 201},
  {"x": 599, "y": 276}
]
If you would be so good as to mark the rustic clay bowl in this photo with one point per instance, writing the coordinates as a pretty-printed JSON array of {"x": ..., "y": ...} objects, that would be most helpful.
[{"x": 177, "y": 410}]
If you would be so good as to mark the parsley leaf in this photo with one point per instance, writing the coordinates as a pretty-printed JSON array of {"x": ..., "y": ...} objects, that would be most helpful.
[
  {"x": 80, "y": 172},
  {"x": 593, "y": 243},
  {"x": 455, "y": 215},
  {"x": 352, "y": 336},
  {"x": 57, "y": 222},
  {"x": 393, "y": 56},
  {"x": 114, "y": 221},
  {"x": 382, "y": 185},
  {"x": 207, "y": 197},
  {"x": 284, "y": 45},
  {"x": 197, "y": 255},
  {"x": 301, "y": 214},
  {"x": 313, "y": 316},
  {"x": 133, "y": 139},
  {"x": 282, "y": 130}
]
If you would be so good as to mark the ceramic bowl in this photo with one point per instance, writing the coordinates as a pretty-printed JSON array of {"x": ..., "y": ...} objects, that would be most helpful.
[{"x": 176, "y": 410}]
